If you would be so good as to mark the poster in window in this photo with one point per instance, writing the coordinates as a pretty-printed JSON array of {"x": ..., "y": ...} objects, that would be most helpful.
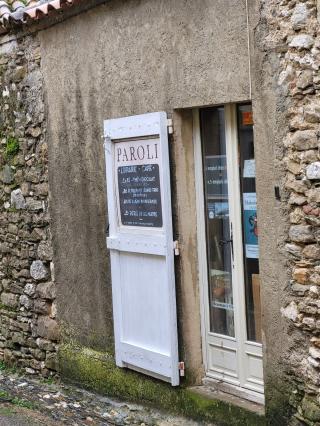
[
  {"x": 249, "y": 169},
  {"x": 247, "y": 118},
  {"x": 218, "y": 210},
  {"x": 250, "y": 225}
]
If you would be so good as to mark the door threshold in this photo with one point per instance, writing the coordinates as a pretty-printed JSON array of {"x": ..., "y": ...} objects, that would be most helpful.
[{"x": 215, "y": 389}]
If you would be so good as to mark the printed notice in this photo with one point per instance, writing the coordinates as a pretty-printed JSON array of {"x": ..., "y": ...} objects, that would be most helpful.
[
  {"x": 250, "y": 225},
  {"x": 218, "y": 210},
  {"x": 249, "y": 169},
  {"x": 222, "y": 305},
  {"x": 139, "y": 195}
]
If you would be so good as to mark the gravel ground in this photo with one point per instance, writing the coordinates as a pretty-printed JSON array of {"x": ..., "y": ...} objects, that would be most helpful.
[{"x": 26, "y": 401}]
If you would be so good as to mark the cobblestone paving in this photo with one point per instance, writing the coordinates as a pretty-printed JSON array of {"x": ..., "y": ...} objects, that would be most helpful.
[
  {"x": 10, "y": 415},
  {"x": 60, "y": 404}
]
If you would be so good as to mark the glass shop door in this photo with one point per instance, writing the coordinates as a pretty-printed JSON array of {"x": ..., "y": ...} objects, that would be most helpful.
[{"x": 231, "y": 286}]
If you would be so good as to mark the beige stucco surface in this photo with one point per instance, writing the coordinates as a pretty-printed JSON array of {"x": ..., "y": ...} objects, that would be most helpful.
[
  {"x": 123, "y": 58},
  {"x": 185, "y": 221}
]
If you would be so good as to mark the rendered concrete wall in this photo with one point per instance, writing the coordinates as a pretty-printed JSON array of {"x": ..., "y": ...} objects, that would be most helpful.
[
  {"x": 272, "y": 228},
  {"x": 123, "y": 58},
  {"x": 185, "y": 222}
]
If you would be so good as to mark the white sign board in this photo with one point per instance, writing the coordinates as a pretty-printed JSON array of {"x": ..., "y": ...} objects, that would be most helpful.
[{"x": 141, "y": 245}]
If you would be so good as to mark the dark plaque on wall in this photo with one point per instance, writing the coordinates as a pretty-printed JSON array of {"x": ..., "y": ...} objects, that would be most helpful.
[{"x": 140, "y": 195}]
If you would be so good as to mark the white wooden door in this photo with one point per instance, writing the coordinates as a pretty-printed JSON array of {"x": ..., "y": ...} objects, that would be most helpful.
[
  {"x": 141, "y": 244},
  {"x": 231, "y": 354}
]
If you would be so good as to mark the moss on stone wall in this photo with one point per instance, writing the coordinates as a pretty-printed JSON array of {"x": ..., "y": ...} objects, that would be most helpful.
[
  {"x": 278, "y": 409},
  {"x": 11, "y": 148},
  {"x": 97, "y": 371}
]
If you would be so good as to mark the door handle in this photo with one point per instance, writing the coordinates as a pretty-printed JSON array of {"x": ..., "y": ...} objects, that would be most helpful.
[
  {"x": 231, "y": 240},
  {"x": 222, "y": 242}
]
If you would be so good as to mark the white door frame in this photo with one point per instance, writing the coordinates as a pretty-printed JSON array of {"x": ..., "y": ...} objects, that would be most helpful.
[{"x": 240, "y": 381}]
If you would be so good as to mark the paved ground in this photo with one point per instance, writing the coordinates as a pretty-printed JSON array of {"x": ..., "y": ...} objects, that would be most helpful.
[{"x": 26, "y": 401}]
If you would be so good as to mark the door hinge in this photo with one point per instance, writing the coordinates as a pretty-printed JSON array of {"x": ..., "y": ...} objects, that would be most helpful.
[
  {"x": 176, "y": 248},
  {"x": 181, "y": 368},
  {"x": 170, "y": 126}
]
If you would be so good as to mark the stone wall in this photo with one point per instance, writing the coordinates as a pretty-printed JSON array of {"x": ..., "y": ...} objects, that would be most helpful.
[
  {"x": 287, "y": 36},
  {"x": 28, "y": 330},
  {"x": 291, "y": 44}
]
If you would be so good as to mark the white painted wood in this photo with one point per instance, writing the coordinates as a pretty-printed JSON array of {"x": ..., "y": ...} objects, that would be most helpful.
[
  {"x": 235, "y": 223},
  {"x": 148, "y": 244},
  {"x": 134, "y": 126},
  {"x": 235, "y": 361},
  {"x": 142, "y": 258},
  {"x": 250, "y": 353},
  {"x": 234, "y": 390}
]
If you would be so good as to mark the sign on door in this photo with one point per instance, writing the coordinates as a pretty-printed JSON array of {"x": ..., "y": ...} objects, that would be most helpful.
[
  {"x": 141, "y": 244},
  {"x": 138, "y": 182}
]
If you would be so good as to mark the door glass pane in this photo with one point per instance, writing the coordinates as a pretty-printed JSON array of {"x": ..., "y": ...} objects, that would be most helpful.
[
  {"x": 217, "y": 220},
  {"x": 249, "y": 220}
]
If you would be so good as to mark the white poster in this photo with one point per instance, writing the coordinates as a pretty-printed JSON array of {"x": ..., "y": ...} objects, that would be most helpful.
[{"x": 249, "y": 169}]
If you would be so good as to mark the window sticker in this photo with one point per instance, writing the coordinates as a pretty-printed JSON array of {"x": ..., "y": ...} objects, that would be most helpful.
[{"x": 247, "y": 118}]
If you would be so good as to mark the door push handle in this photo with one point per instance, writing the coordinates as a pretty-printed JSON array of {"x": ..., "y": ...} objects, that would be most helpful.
[{"x": 223, "y": 242}]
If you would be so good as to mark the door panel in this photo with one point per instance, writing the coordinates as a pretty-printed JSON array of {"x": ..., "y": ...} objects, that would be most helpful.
[
  {"x": 254, "y": 368},
  {"x": 223, "y": 360},
  {"x": 219, "y": 244},
  {"x": 137, "y": 274},
  {"x": 141, "y": 245}
]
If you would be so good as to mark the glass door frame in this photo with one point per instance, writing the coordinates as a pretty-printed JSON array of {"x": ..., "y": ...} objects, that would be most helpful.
[{"x": 243, "y": 354}]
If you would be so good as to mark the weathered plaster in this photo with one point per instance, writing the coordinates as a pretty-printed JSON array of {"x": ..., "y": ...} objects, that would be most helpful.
[
  {"x": 119, "y": 59},
  {"x": 185, "y": 223}
]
